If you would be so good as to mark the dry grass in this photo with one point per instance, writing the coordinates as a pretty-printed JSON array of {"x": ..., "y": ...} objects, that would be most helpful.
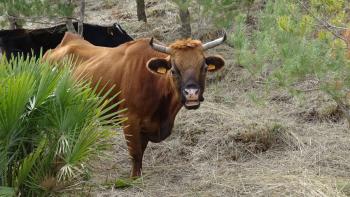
[{"x": 231, "y": 146}]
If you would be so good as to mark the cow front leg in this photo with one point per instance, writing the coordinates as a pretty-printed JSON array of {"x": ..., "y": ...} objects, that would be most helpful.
[
  {"x": 137, "y": 144},
  {"x": 144, "y": 142}
]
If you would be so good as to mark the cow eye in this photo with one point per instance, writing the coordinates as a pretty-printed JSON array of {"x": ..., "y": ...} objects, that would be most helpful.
[{"x": 173, "y": 72}]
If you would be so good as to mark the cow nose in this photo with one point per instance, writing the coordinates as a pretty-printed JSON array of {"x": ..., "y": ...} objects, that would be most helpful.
[{"x": 191, "y": 93}]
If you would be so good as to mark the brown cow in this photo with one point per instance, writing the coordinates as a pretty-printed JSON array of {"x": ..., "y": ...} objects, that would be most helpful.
[{"x": 155, "y": 81}]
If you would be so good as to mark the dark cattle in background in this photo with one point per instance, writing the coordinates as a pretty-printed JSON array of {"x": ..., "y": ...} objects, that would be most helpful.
[
  {"x": 11, "y": 33},
  {"x": 29, "y": 41}
]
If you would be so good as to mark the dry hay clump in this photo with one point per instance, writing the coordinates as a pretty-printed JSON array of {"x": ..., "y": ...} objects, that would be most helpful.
[
  {"x": 313, "y": 107},
  {"x": 259, "y": 138},
  {"x": 220, "y": 134},
  {"x": 267, "y": 182},
  {"x": 330, "y": 113},
  {"x": 318, "y": 108}
]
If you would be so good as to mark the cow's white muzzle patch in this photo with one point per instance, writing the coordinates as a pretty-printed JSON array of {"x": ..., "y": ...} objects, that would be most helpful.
[{"x": 191, "y": 103}]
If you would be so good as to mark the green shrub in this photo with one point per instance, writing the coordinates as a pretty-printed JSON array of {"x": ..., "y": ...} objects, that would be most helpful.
[
  {"x": 292, "y": 45},
  {"x": 23, "y": 11},
  {"x": 51, "y": 126}
]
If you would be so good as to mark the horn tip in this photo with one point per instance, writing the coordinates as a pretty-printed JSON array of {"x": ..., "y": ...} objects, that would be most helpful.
[{"x": 225, "y": 37}]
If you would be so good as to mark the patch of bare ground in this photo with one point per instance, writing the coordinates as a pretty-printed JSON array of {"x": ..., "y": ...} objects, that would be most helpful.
[{"x": 285, "y": 146}]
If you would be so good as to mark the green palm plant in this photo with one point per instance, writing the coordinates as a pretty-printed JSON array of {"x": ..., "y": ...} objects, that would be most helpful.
[{"x": 51, "y": 126}]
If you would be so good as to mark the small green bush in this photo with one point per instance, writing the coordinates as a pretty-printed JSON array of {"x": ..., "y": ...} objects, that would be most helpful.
[{"x": 51, "y": 126}]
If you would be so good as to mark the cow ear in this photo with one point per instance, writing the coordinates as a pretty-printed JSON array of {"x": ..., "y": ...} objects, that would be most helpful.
[
  {"x": 158, "y": 65},
  {"x": 214, "y": 63}
]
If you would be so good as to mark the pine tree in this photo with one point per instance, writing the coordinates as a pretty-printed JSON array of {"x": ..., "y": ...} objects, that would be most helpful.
[
  {"x": 20, "y": 11},
  {"x": 296, "y": 41},
  {"x": 223, "y": 12}
]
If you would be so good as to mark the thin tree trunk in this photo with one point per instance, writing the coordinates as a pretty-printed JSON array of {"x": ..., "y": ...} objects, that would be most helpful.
[
  {"x": 185, "y": 22},
  {"x": 69, "y": 23},
  {"x": 81, "y": 21},
  {"x": 13, "y": 22},
  {"x": 70, "y": 26},
  {"x": 141, "y": 14}
]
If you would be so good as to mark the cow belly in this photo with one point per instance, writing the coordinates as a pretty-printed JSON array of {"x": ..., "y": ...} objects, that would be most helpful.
[{"x": 157, "y": 131}]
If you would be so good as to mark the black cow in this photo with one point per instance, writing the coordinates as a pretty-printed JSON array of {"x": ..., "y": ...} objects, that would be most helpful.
[{"x": 30, "y": 42}]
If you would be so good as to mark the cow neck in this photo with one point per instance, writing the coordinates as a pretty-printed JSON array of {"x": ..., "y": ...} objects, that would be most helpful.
[{"x": 172, "y": 91}]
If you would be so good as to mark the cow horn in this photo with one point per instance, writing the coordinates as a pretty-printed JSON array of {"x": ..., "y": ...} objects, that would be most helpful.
[
  {"x": 214, "y": 43},
  {"x": 159, "y": 47}
]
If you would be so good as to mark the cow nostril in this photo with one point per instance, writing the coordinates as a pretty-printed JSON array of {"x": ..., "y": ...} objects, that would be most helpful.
[{"x": 186, "y": 92}]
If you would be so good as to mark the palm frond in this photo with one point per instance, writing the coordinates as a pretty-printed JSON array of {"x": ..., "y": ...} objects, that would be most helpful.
[{"x": 50, "y": 125}]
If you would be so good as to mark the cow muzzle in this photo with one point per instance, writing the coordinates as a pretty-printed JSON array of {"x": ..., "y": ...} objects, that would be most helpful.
[{"x": 191, "y": 96}]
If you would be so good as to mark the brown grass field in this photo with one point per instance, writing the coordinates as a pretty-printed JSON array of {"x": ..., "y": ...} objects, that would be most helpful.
[{"x": 235, "y": 144}]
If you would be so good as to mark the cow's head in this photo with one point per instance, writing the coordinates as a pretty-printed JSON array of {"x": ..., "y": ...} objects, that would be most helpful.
[
  {"x": 187, "y": 65},
  {"x": 115, "y": 30},
  {"x": 117, "y": 35}
]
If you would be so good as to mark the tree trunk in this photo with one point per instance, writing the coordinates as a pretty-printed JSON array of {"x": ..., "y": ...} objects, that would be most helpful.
[
  {"x": 185, "y": 22},
  {"x": 69, "y": 23},
  {"x": 81, "y": 21},
  {"x": 141, "y": 14},
  {"x": 13, "y": 22},
  {"x": 70, "y": 26}
]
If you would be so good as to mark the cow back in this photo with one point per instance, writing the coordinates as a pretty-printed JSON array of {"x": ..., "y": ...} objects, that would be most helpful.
[{"x": 28, "y": 42}]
